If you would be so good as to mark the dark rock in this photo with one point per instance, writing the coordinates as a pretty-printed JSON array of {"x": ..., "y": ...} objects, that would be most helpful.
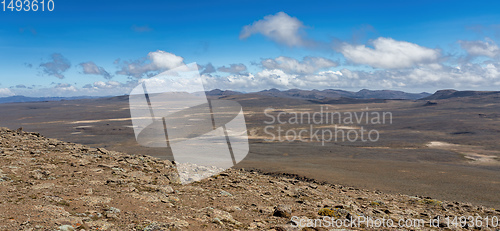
[{"x": 283, "y": 211}]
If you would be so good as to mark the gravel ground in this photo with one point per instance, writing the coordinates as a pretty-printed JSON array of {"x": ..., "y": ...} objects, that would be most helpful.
[{"x": 47, "y": 184}]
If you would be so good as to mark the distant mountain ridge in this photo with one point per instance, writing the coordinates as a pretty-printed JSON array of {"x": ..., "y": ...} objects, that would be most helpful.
[
  {"x": 21, "y": 99},
  {"x": 219, "y": 92},
  {"x": 326, "y": 95},
  {"x": 450, "y": 93},
  {"x": 337, "y": 94}
]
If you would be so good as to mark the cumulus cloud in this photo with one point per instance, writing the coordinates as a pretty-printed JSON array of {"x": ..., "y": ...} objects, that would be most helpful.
[
  {"x": 428, "y": 77},
  {"x": 479, "y": 76},
  {"x": 107, "y": 85},
  {"x": 280, "y": 28},
  {"x": 20, "y": 86},
  {"x": 389, "y": 53},
  {"x": 90, "y": 68},
  {"x": 107, "y": 88},
  {"x": 59, "y": 89},
  {"x": 155, "y": 62},
  {"x": 466, "y": 76},
  {"x": 57, "y": 66},
  {"x": 98, "y": 88},
  {"x": 65, "y": 87},
  {"x": 207, "y": 69},
  {"x": 481, "y": 48},
  {"x": 275, "y": 78},
  {"x": 233, "y": 68},
  {"x": 5, "y": 92},
  {"x": 308, "y": 65}
]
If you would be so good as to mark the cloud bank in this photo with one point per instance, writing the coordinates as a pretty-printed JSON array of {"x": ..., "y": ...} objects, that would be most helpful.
[
  {"x": 486, "y": 48},
  {"x": 389, "y": 53},
  {"x": 308, "y": 65},
  {"x": 5, "y": 92}
]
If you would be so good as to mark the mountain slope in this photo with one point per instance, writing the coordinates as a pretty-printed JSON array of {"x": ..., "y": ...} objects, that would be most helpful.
[
  {"x": 47, "y": 184},
  {"x": 21, "y": 99},
  {"x": 448, "y": 94},
  {"x": 292, "y": 93},
  {"x": 333, "y": 94}
]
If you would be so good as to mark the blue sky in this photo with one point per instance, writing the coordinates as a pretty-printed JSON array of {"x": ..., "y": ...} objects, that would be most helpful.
[{"x": 88, "y": 47}]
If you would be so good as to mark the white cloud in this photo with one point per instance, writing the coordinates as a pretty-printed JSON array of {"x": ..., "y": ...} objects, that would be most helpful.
[
  {"x": 155, "y": 62},
  {"x": 164, "y": 60},
  {"x": 98, "y": 88},
  {"x": 233, "y": 68},
  {"x": 280, "y": 28},
  {"x": 470, "y": 76},
  {"x": 481, "y": 48},
  {"x": 65, "y": 87},
  {"x": 106, "y": 85},
  {"x": 274, "y": 78},
  {"x": 90, "y": 68},
  {"x": 110, "y": 87},
  {"x": 308, "y": 65},
  {"x": 5, "y": 92},
  {"x": 466, "y": 76},
  {"x": 433, "y": 76},
  {"x": 389, "y": 53}
]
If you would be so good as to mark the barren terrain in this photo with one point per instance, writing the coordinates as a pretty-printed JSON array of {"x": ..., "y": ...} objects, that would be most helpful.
[
  {"x": 444, "y": 148},
  {"x": 47, "y": 184}
]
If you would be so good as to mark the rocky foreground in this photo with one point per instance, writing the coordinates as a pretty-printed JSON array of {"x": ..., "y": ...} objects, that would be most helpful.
[{"x": 47, "y": 184}]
